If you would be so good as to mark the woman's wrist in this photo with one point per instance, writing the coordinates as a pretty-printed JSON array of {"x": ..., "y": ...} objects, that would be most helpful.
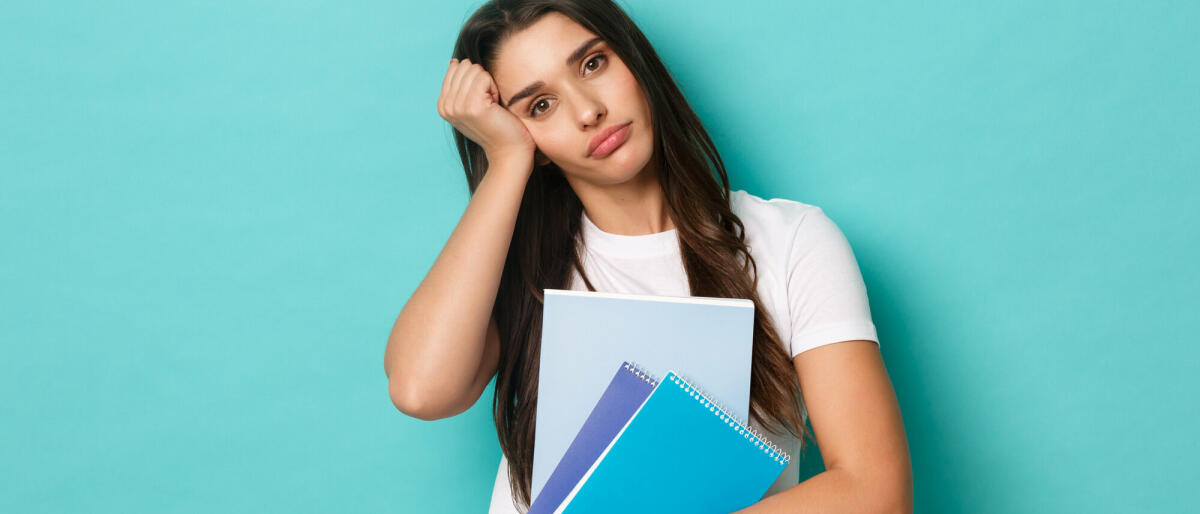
[{"x": 510, "y": 162}]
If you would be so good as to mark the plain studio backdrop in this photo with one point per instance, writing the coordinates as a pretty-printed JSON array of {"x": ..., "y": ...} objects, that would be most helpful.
[{"x": 212, "y": 213}]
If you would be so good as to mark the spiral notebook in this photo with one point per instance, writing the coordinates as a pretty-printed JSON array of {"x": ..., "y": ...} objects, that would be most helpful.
[
  {"x": 626, "y": 392},
  {"x": 586, "y": 335},
  {"x": 681, "y": 452}
]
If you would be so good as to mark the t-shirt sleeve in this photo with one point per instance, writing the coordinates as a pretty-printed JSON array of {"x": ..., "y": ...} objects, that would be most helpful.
[{"x": 827, "y": 297}]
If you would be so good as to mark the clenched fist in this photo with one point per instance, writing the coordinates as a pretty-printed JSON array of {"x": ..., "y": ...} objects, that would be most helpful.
[{"x": 470, "y": 101}]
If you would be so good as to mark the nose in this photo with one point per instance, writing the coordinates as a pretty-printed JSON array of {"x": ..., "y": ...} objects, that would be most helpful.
[{"x": 591, "y": 110}]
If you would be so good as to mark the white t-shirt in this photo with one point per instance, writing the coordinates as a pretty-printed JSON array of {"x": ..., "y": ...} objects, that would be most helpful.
[{"x": 809, "y": 282}]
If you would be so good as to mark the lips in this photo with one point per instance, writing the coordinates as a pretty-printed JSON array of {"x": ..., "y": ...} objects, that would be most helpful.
[{"x": 599, "y": 138}]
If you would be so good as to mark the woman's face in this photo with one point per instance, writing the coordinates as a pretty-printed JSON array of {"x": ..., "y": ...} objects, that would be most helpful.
[{"x": 580, "y": 89}]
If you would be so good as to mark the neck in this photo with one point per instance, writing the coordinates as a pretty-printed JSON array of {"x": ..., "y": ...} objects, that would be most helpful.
[{"x": 633, "y": 208}]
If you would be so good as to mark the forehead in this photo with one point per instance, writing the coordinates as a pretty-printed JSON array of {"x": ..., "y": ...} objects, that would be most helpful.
[{"x": 537, "y": 52}]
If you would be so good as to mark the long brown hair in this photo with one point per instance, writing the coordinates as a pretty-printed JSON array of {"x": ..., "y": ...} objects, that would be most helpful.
[{"x": 711, "y": 237}]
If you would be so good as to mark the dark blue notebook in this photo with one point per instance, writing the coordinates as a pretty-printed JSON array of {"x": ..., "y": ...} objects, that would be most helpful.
[{"x": 626, "y": 392}]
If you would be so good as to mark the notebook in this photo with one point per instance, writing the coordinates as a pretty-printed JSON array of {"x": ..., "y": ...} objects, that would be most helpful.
[
  {"x": 626, "y": 392},
  {"x": 586, "y": 335},
  {"x": 681, "y": 452}
]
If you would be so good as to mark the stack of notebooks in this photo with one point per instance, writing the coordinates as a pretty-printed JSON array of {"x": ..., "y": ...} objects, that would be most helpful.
[{"x": 632, "y": 440}]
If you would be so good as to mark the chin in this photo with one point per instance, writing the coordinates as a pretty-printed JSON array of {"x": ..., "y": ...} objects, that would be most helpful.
[{"x": 627, "y": 162}]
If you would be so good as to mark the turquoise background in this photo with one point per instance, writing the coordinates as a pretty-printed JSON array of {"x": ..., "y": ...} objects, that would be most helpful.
[{"x": 213, "y": 212}]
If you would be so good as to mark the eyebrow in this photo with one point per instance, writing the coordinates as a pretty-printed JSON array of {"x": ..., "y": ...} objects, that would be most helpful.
[{"x": 575, "y": 56}]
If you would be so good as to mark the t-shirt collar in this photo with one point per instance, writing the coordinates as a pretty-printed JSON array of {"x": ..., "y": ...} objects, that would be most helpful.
[{"x": 616, "y": 245}]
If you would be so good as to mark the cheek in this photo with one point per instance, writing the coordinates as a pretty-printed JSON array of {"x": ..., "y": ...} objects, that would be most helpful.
[{"x": 549, "y": 138}]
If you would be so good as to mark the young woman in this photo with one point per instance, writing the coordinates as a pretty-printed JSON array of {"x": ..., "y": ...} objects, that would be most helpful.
[{"x": 588, "y": 170}]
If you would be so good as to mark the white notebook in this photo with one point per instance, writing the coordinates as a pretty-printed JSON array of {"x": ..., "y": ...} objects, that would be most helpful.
[{"x": 585, "y": 335}]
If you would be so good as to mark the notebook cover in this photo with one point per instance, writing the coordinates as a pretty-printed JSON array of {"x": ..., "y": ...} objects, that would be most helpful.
[
  {"x": 626, "y": 392},
  {"x": 679, "y": 453},
  {"x": 585, "y": 335}
]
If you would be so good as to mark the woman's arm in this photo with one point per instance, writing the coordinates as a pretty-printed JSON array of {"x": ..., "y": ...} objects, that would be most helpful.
[
  {"x": 444, "y": 346},
  {"x": 856, "y": 421}
]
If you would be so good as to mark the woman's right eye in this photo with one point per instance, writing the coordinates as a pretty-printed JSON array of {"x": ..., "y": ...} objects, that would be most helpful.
[{"x": 533, "y": 110}]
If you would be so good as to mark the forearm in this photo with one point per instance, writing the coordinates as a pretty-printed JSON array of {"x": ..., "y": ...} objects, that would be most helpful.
[
  {"x": 435, "y": 349},
  {"x": 832, "y": 491}
]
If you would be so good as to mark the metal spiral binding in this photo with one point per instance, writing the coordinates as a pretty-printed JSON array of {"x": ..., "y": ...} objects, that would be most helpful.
[
  {"x": 742, "y": 427},
  {"x": 640, "y": 373}
]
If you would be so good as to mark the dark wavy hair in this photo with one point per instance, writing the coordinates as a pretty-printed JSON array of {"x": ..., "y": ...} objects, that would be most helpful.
[{"x": 711, "y": 237}]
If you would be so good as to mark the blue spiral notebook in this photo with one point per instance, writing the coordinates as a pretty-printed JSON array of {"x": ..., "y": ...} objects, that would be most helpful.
[
  {"x": 681, "y": 452},
  {"x": 626, "y": 392},
  {"x": 586, "y": 335}
]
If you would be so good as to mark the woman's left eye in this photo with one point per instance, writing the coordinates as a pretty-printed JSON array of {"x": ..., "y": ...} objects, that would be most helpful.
[{"x": 601, "y": 57}]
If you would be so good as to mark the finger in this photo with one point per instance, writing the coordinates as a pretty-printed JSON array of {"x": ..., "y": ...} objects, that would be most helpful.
[
  {"x": 477, "y": 90},
  {"x": 446, "y": 86},
  {"x": 494, "y": 90},
  {"x": 466, "y": 94},
  {"x": 460, "y": 71}
]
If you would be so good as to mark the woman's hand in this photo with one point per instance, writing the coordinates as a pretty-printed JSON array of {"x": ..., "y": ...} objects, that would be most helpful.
[{"x": 470, "y": 102}]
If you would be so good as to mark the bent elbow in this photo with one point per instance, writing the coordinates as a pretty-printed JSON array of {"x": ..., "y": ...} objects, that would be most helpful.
[{"x": 416, "y": 403}]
